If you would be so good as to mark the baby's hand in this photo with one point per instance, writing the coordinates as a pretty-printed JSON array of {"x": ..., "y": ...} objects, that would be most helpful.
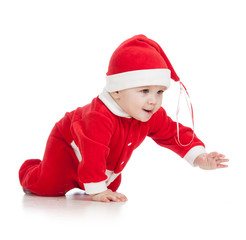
[
  {"x": 108, "y": 196},
  {"x": 211, "y": 161}
]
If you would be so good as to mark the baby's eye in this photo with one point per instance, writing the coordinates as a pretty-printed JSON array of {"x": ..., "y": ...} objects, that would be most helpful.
[
  {"x": 160, "y": 92},
  {"x": 145, "y": 90}
]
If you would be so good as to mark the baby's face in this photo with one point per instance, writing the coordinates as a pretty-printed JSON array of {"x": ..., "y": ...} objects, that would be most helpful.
[{"x": 140, "y": 102}]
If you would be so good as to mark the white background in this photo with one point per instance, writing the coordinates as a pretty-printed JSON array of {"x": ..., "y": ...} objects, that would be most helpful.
[{"x": 53, "y": 58}]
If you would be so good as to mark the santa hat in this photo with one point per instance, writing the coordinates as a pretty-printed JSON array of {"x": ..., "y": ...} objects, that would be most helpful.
[{"x": 139, "y": 61}]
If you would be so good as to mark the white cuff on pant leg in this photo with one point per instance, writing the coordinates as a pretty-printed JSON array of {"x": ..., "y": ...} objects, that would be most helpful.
[
  {"x": 93, "y": 188},
  {"x": 193, "y": 154}
]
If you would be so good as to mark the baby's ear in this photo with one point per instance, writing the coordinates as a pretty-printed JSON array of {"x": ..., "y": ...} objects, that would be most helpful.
[{"x": 115, "y": 95}]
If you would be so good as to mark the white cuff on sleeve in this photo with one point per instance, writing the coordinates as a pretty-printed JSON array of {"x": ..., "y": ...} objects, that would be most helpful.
[
  {"x": 93, "y": 188},
  {"x": 193, "y": 154}
]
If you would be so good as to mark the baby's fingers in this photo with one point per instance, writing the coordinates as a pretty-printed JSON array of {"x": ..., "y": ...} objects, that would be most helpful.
[
  {"x": 114, "y": 198},
  {"x": 122, "y": 197},
  {"x": 222, "y": 166},
  {"x": 220, "y": 161},
  {"x": 221, "y": 155},
  {"x": 216, "y": 155},
  {"x": 108, "y": 198},
  {"x": 213, "y": 155}
]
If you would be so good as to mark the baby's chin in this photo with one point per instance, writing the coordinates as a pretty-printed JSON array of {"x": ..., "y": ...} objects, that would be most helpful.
[{"x": 143, "y": 119}]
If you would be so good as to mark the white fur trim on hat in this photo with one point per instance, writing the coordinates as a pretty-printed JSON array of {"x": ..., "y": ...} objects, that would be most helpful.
[{"x": 138, "y": 78}]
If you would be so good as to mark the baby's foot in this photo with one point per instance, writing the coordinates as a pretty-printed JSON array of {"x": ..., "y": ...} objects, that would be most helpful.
[{"x": 26, "y": 191}]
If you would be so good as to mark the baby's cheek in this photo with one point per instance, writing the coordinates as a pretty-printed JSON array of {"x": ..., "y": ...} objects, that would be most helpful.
[{"x": 157, "y": 108}]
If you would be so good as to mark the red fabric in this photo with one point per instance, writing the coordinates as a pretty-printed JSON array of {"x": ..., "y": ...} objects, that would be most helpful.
[
  {"x": 105, "y": 141},
  {"x": 139, "y": 53}
]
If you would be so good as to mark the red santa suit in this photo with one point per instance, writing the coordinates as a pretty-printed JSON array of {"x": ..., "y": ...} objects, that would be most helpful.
[{"x": 89, "y": 147}]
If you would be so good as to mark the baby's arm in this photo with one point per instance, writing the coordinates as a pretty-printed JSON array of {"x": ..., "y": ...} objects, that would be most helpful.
[
  {"x": 108, "y": 196},
  {"x": 211, "y": 161}
]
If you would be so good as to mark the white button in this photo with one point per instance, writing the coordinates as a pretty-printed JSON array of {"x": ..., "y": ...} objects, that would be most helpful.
[
  {"x": 129, "y": 144},
  {"x": 122, "y": 163}
]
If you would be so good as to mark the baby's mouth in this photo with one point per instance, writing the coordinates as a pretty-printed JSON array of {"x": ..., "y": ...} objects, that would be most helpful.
[{"x": 148, "y": 111}]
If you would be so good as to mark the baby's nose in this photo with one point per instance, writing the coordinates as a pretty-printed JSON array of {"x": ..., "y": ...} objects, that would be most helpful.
[{"x": 152, "y": 101}]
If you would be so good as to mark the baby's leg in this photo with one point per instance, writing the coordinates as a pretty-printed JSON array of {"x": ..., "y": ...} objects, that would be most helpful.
[{"x": 56, "y": 174}]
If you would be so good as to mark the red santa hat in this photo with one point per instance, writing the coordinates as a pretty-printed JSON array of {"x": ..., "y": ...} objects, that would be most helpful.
[{"x": 139, "y": 61}]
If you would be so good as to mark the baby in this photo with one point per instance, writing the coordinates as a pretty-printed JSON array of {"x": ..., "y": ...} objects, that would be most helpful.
[{"x": 90, "y": 146}]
